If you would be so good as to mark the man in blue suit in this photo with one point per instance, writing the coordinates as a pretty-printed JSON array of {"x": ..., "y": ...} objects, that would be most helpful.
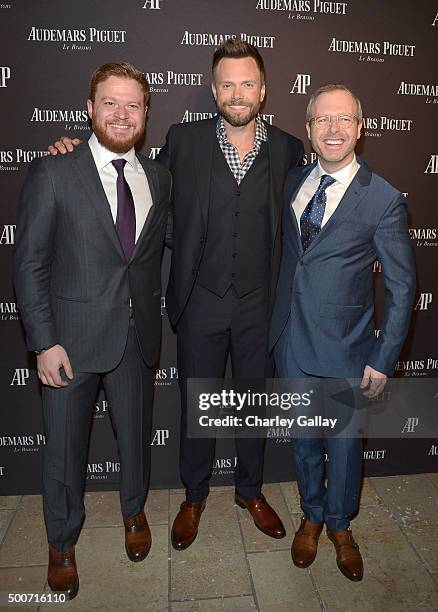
[{"x": 338, "y": 218}]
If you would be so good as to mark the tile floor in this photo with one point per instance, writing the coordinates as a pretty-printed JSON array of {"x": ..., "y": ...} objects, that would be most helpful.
[{"x": 232, "y": 566}]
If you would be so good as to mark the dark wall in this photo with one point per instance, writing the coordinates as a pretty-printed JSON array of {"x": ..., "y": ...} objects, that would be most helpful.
[{"x": 384, "y": 51}]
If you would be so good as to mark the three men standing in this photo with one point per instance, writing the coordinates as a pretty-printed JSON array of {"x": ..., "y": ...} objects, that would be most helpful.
[{"x": 89, "y": 242}]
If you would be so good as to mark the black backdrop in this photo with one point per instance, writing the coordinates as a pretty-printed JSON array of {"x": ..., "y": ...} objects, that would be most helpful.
[{"x": 384, "y": 51}]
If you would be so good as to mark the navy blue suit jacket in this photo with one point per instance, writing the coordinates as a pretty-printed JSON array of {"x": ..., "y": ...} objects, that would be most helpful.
[{"x": 328, "y": 290}]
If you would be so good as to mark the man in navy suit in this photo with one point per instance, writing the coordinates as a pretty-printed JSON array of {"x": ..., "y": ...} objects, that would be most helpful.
[{"x": 338, "y": 218}]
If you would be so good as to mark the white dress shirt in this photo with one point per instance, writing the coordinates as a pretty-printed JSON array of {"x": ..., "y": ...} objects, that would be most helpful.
[
  {"x": 135, "y": 177},
  {"x": 334, "y": 192}
]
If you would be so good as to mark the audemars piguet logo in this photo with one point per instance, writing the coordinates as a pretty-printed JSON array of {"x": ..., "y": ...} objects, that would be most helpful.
[
  {"x": 160, "y": 437},
  {"x": 7, "y": 234},
  {"x": 435, "y": 21},
  {"x": 432, "y": 166},
  {"x": 73, "y": 119},
  {"x": 301, "y": 84},
  {"x": 161, "y": 81},
  {"x": 428, "y": 91},
  {"x": 18, "y": 156},
  {"x": 224, "y": 465},
  {"x": 76, "y": 39},
  {"x": 203, "y": 39},
  {"x": 20, "y": 377},
  {"x": 371, "y": 51},
  {"x": 374, "y": 126},
  {"x": 424, "y": 301},
  {"x": 102, "y": 469},
  {"x": 9, "y": 311},
  {"x": 152, "y": 155},
  {"x": 23, "y": 442},
  {"x": 152, "y": 4},
  {"x": 165, "y": 376},
  {"x": 416, "y": 367},
  {"x": 5, "y": 75},
  {"x": 374, "y": 455},
  {"x": 424, "y": 236},
  {"x": 303, "y": 9}
]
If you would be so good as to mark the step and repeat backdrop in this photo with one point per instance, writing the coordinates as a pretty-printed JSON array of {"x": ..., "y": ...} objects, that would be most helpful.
[{"x": 386, "y": 52}]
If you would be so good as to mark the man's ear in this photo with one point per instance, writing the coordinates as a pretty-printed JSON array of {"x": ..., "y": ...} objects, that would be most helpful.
[{"x": 90, "y": 108}]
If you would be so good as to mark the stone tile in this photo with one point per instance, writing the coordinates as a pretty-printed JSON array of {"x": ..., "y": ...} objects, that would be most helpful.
[
  {"x": 8, "y": 502},
  {"x": 23, "y": 580},
  {"x": 109, "y": 581},
  {"x": 228, "y": 604},
  {"x": 157, "y": 507},
  {"x": 409, "y": 498},
  {"x": 254, "y": 539},
  {"x": 287, "y": 587},
  {"x": 433, "y": 477},
  {"x": 26, "y": 541},
  {"x": 214, "y": 565},
  {"x": 423, "y": 535},
  {"x": 394, "y": 577},
  {"x": 103, "y": 508},
  {"x": 5, "y": 519},
  {"x": 368, "y": 495},
  {"x": 292, "y": 497}
]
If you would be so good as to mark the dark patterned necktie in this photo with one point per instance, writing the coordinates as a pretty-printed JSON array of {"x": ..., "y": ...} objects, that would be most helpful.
[
  {"x": 313, "y": 214},
  {"x": 125, "y": 220}
]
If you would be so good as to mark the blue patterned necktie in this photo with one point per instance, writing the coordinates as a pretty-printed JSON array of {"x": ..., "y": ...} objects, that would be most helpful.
[
  {"x": 125, "y": 220},
  {"x": 313, "y": 214}
]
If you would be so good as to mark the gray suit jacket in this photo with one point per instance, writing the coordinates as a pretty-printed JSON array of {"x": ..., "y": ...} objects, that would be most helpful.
[{"x": 72, "y": 281}]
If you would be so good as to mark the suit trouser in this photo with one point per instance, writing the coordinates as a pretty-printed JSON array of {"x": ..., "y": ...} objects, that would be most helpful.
[
  {"x": 335, "y": 503},
  {"x": 210, "y": 329},
  {"x": 67, "y": 418}
]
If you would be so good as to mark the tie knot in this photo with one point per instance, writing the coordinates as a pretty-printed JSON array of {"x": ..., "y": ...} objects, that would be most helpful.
[
  {"x": 326, "y": 181},
  {"x": 119, "y": 164}
]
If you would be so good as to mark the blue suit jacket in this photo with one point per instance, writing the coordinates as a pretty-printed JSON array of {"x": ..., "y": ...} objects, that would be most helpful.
[{"x": 328, "y": 290}]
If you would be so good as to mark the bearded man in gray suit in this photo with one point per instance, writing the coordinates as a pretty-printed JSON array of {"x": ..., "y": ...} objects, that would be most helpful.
[{"x": 90, "y": 233}]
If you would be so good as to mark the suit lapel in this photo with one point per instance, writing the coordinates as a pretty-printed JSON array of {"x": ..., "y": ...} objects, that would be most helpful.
[
  {"x": 355, "y": 192},
  {"x": 293, "y": 185},
  {"x": 275, "y": 153},
  {"x": 86, "y": 168},
  {"x": 203, "y": 162}
]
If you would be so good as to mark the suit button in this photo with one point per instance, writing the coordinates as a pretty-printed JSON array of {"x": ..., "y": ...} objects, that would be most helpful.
[
  {"x": 235, "y": 235},
  {"x": 234, "y": 255},
  {"x": 193, "y": 271},
  {"x": 233, "y": 275}
]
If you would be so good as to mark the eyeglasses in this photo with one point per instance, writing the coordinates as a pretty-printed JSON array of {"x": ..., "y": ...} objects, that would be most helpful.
[{"x": 343, "y": 121}]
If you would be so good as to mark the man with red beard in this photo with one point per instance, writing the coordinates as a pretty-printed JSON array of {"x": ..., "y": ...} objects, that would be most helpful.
[{"x": 90, "y": 233}]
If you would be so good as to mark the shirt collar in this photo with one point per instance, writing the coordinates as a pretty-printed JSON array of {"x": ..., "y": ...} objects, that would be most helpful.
[
  {"x": 261, "y": 133},
  {"x": 103, "y": 156},
  {"x": 344, "y": 176}
]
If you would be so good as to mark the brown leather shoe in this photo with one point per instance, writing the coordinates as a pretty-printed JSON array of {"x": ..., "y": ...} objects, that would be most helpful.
[
  {"x": 265, "y": 517},
  {"x": 305, "y": 543},
  {"x": 138, "y": 537},
  {"x": 185, "y": 525},
  {"x": 348, "y": 556},
  {"x": 62, "y": 574}
]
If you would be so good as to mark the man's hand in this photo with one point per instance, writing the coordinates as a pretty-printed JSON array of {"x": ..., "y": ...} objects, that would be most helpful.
[
  {"x": 373, "y": 381},
  {"x": 64, "y": 145},
  {"x": 49, "y": 364}
]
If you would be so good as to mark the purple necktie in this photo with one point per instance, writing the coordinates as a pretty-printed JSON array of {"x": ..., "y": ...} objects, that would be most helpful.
[{"x": 125, "y": 220}]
